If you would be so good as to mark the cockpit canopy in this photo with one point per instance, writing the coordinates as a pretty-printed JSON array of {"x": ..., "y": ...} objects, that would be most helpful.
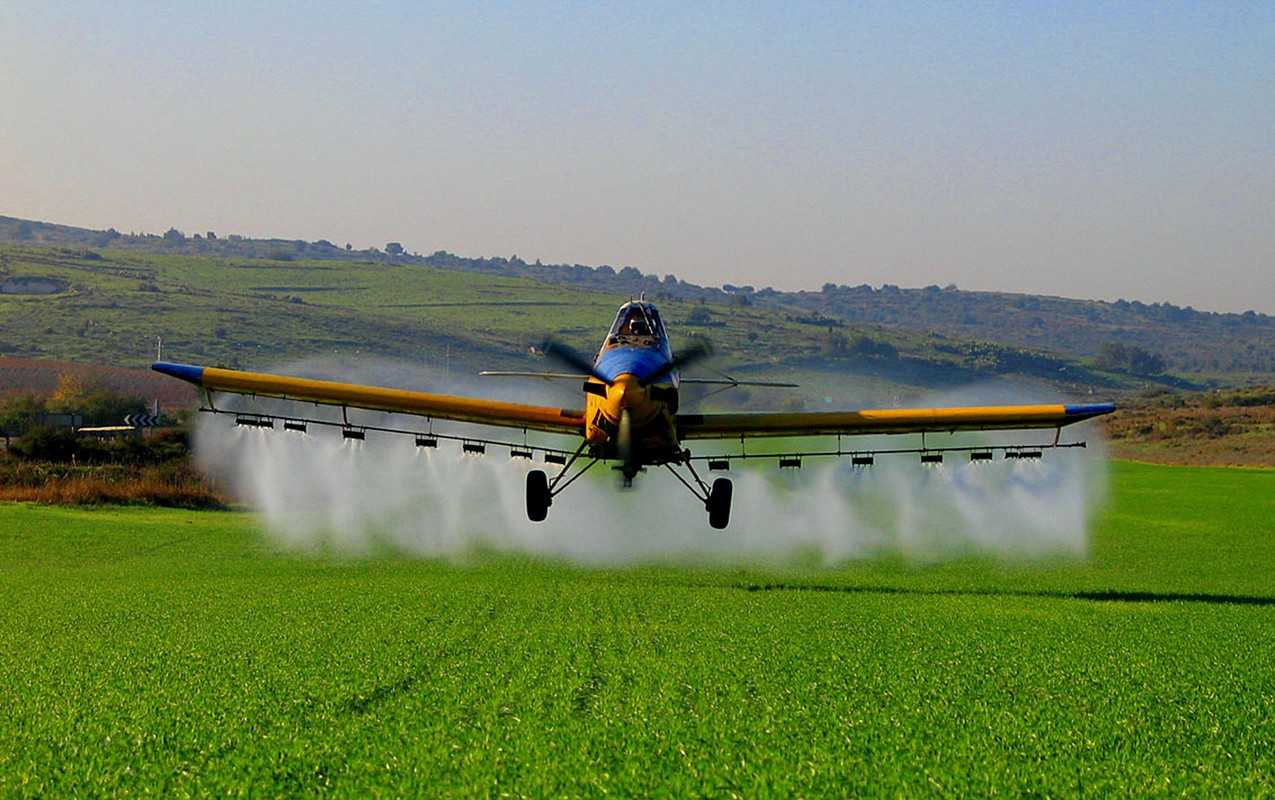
[{"x": 638, "y": 320}]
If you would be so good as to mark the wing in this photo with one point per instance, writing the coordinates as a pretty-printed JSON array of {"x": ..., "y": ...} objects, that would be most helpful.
[
  {"x": 349, "y": 395},
  {"x": 893, "y": 420}
]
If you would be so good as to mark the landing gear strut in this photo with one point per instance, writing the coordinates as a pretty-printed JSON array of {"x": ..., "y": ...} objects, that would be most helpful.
[
  {"x": 716, "y": 499},
  {"x": 540, "y": 490}
]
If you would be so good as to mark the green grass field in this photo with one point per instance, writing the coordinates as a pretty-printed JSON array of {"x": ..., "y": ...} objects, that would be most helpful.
[{"x": 176, "y": 653}]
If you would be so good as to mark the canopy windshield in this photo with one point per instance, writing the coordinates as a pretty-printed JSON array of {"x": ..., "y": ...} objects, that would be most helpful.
[{"x": 638, "y": 319}]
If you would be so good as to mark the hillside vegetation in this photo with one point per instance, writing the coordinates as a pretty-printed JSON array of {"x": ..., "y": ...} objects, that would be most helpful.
[
  {"x": 1155, "y": 341},
  {"x": 1235, "y": 346},
  {"x": 97, "y": 316},
  {"x": 113, "y": 308},
  {"x": 1220, "y": 428}
]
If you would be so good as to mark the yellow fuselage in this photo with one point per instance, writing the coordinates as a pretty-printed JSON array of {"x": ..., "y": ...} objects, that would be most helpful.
[{"x": 651, "y": 411}]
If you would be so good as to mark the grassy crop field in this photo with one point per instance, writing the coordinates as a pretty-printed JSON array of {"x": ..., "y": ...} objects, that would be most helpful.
[{"x": 178, "y": 654}]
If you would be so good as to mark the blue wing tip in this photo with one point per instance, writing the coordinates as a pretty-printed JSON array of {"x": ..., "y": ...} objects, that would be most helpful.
[
  {"x": 186, "y": 372},
  {"x": 1089, "y": 409}
]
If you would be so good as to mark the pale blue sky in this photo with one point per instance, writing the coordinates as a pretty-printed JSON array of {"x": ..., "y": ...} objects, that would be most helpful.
[{"x": 1081, "y": 149}]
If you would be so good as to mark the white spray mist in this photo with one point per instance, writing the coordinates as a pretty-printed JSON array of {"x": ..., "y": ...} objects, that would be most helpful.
[{"x": 317, "y": 490}]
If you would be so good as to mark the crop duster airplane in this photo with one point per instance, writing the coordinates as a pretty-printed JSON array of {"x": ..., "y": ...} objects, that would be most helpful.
[{"x": 631, "y": 417}]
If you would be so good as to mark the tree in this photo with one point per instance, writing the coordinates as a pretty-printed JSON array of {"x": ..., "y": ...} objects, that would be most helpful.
[
  {"x": 834, "y": 343},
  {"x": 867, "y": 346},
  {"x": 96, "y": 405},
  {"x": 70, "y": 391},
  {"x": 699, "y": 316},
  {"x": 109, "y": 408},
  {"x": 20, "y": 414},
  {"x": 394, "y": 249},
  {"x": 1117, "y": 357},
  {"x": 43, "y": 443}
]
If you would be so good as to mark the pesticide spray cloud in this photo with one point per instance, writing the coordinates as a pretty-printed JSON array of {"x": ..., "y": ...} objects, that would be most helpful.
[{"x": 318, "y": 490}]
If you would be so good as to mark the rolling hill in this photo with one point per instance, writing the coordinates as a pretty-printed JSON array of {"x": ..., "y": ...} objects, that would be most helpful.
[
  {"x": 1204, "y": 348},
  {"x": 107, "y": 298}
]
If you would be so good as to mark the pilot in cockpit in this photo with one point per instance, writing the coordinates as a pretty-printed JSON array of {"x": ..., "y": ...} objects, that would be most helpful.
[{"x": 635, "y": 324}]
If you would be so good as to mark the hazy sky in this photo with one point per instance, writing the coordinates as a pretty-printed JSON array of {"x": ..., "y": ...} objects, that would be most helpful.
[{"x": 1096, "y": 150}]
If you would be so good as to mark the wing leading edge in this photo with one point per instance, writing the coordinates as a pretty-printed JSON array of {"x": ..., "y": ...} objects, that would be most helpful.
[
  {"x": 439, "y": 406},
  {"x": 689, "y": 426},
  {"x": 894, "y": 420}
]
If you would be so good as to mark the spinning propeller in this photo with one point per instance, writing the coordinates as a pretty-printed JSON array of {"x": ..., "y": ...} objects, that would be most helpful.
[
  {"x": 569, "y": 356},
  {"x": 627, "y": 454}
]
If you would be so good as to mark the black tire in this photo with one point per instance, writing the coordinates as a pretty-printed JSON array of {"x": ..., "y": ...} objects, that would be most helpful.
[
  {"x": 538, "y": 497},
  {"x": 719, "y": 503}
]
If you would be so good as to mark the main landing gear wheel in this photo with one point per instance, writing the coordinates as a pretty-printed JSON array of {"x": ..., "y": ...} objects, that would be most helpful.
[
  {"x": 719, "y": 503},
  {"x": 538, "y": 496}
]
